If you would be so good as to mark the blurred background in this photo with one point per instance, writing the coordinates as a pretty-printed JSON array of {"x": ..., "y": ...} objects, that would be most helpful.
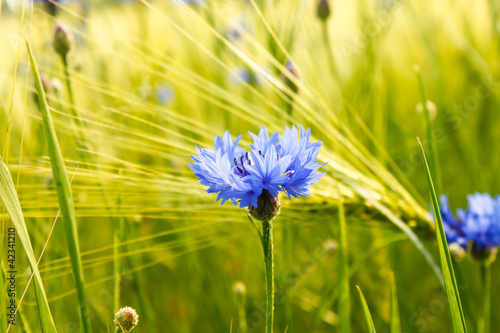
[{"x": 152, "y": 79}]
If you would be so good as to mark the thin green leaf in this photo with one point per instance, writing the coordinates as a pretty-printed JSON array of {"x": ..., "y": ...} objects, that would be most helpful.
[
  {"x": 395, "y": 320},
  {"x": 366, "y": 312},
  {"x": 64, "y": 195},
  {"x": 11, "y": 202},
  {"x": 454, "y": 304}
]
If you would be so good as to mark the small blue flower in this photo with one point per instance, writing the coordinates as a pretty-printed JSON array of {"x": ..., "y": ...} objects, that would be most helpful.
[
  {"x": 478, "y": 225},
  {"x": 165, "y": 94},
  {"x": 236, "y": 28},
  {"x": 241, "y": 176},
  {"x": 241, "y": 74}
]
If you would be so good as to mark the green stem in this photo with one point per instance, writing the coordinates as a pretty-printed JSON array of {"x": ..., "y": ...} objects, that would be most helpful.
[
  {"x": 267, "y": 231},
  {"x": 69, "y": 88},
  {"x": 328, "y": 47},
  {"x": 118, "y": 238},
  {"x": 69, "y": 221},
  {"x": 431, "y": 144},
  {"x": 118, "y": 231},
  {"x": 465, "y": 294},
  {"x": 494, "y": 17},
  {"x": 343, "y": 266},
  {"x": 80, "y": 138},
  {"x": 484, "y": 321},
  {"x": 242, "y": 317}
]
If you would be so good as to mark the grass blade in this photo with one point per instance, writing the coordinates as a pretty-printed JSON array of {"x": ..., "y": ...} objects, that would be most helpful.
[
  {"x": 11, "y": 202},
  {"x": 450, "y": 283},
  {"x": 366, "y": 312},
  {"x": 395, "y": 320},
  {"x": 64, "y": 195}
]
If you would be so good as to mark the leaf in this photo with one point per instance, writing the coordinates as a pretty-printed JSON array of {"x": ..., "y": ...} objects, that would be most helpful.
[
  {"x": 366, "y": 312},
  {"x": 450, "y": 283},
  {"x": 11, "y": 202},
  {"x": 64, "y": 195}
]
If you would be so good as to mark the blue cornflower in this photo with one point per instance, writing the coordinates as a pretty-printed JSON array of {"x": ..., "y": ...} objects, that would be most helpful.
[
  {"x": 236, "y": 29},
  {"x": 256, "y": 177},
  {"x": 477, "y": 228},
  {"x": 165, "y": 94}
]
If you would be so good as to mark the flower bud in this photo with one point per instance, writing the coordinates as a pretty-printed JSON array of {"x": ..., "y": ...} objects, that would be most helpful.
[
  {"x": 63, "y": 40},
  {"x": 165, "y": 94},
  {"x": 485, "y": 255},
  {"x": 268, "y": 207},
  {"x": 330, "y": 246},
  {"x": 126, "y": 319},
  {"x": 56, "y": 85},
  {"x": 51, "y": 7},
  {"x": 323, "y": 10},
  {"x": 456, "y": 251},
  {"x": 239, "y": 288}
]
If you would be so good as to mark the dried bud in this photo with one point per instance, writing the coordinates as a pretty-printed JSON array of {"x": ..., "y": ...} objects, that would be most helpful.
[
  {"x": 323, "y": 10},
  {"x": 126, "y": 319},
  {"x": 268, "y": 207},
  {"x": 63, "y": 40},
  {"x": 484, "y": 255}
]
